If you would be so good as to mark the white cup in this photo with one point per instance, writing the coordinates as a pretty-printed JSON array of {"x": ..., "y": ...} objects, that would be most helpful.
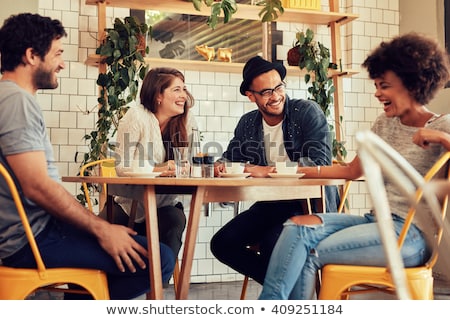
[
  {"x": 235, "y": 167},
  {"x": 141, "y": 166},
  {"x": 286, "y": 167}
]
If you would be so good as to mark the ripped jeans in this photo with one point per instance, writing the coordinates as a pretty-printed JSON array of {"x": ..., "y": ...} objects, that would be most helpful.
[{"x": 302, "y": 250}]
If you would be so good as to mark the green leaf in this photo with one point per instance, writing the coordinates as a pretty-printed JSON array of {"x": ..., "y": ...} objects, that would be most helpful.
[
  {"x": 197, "y": 4},
  {"x": 270, "y": 11},
  {"x": 117, "y": 54},
  {"x": 228, "y": 7},
  {"x": 307, "y": 77},
  {"x": 102, "y": 80}
]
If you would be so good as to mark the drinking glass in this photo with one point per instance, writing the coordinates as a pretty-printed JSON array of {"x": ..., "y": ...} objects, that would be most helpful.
[{"x": 182, "y": 165}]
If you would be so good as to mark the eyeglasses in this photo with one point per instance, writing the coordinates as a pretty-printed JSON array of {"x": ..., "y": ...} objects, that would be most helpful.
[{"x": 267, "y": 93}]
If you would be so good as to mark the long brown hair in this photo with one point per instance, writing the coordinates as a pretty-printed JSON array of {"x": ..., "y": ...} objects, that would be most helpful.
[{"x": 155, "y": 82}]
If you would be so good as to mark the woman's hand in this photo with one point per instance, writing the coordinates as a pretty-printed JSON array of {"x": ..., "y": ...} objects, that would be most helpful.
[
  {"x": 424, "y": 136},
  {"x": 167, "y": 168},
  {"x": 219, "y": 167}
]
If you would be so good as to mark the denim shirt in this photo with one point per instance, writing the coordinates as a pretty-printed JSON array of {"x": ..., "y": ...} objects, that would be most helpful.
[{"x": 306, "y": 135}]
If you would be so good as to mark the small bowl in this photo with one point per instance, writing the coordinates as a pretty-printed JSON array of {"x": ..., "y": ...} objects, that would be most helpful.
[
  {"x": 141, "y": 166},
  {"x": 235, "y": 167}
]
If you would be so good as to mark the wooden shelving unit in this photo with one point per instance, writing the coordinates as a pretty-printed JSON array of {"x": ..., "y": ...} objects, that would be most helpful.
[
  {"x": 212, "y": 66},
  {"x": 244, "y": 11},
  {"x": 333, "y": 19}
]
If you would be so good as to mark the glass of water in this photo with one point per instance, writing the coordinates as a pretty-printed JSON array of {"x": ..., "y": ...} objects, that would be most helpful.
[{"x": 182, "y": 164}]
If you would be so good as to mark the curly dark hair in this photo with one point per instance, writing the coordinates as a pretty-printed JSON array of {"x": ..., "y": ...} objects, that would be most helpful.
[
  {"x": 419, "y": 61},
  {"x": 26, "y": 30}
]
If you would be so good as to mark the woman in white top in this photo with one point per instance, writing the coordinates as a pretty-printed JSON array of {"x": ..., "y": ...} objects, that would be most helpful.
[{"x": 148, "y": 132}]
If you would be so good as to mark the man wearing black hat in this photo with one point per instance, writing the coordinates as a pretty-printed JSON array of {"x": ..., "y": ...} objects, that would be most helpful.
[{"x": 291, "y": 129}]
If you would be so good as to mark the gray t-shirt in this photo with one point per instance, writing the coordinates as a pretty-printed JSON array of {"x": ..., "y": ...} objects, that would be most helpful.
[
  {"x": 400, "y": 136},
  {"x": 22, "y": 129}
]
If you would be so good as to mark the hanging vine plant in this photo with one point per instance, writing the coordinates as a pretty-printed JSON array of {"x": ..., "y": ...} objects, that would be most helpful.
[
  {"x": 315, "y": 58},
  {"x": 122, "y": 51},
  {"x": 269, "y": 12}
]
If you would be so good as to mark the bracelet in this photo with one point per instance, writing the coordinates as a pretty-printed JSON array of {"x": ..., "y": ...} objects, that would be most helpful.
[{"x": 318, "y": 170}]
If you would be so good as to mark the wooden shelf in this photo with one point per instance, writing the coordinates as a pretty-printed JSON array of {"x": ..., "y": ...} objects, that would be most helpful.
[
  {"x": 212, "y": 66},
  {"x": 244, "y": 11}
]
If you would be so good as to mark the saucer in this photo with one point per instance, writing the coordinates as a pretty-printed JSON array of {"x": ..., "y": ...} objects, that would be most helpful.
[
  {"x": 286, "y": 175},
  {"x": 142, "y": 174},
  {"x": 234, "y": 175}
]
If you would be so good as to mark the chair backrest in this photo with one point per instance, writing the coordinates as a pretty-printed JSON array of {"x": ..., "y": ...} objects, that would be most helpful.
[
  {"x": 23, "y": 217},
  {"x": 375, "y": 154},
  {"x": 106, "y": 168}
]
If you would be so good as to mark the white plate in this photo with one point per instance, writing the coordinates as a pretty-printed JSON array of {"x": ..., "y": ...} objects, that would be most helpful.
[
  {"x": 286, "y": 175},
  {"x": 234, "y": 175},
  {"x": 142, "y": 174}
]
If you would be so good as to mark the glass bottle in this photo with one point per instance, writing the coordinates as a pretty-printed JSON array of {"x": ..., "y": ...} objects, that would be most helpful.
[{"x": 195, "y": 143}]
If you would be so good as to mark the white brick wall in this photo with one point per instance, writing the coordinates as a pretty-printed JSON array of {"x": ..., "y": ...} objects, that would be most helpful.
[{"x": 70, "y": 113}]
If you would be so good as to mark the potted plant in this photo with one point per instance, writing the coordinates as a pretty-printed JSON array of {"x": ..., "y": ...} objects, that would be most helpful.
[
  {"x": 122, "y": 50},
  {"x": 229, "y": 7},
  {"x": 313, "y": 56}
]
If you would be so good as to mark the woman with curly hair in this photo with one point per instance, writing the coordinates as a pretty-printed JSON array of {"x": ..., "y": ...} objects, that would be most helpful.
[{"x": 407, "y": 72}]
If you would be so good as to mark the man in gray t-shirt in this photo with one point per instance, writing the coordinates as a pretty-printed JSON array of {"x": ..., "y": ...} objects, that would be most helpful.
[{"x": 67, "y": 234}]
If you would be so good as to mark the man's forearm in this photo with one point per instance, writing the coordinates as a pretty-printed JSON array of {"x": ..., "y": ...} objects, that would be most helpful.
[{"x": 56, "y": 200}]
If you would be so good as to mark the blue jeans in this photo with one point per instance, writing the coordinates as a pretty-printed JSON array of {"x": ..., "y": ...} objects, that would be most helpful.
[
  {"x": 62, "y": 245},
  {"x": 260, "y": 225},
  {"x": 302, "y": 250}
]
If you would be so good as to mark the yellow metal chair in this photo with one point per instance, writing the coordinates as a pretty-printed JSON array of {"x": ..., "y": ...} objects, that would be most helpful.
[
  {"x": 341, "y": 281},
  {"x": 18, "y": 283}
]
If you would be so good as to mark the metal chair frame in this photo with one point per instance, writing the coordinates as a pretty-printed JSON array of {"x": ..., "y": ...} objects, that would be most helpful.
[{"x": 18, "y": 283}]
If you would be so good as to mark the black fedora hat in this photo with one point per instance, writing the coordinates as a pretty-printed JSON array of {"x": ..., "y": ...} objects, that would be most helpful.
[{"x": 256, "y": 66}]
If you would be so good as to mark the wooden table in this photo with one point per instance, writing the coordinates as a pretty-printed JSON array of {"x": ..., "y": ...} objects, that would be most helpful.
[{"x": 203, "y": 191}]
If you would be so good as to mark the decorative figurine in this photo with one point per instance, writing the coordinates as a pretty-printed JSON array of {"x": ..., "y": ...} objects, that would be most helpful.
[
  {"x": 207, "y": 52},
  {"x": 224, "y": 54}
]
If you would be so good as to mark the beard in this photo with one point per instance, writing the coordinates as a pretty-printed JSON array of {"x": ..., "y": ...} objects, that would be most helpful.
[
  {"x": 269, "y": 111},
  {"x": 44, "y": 79}
]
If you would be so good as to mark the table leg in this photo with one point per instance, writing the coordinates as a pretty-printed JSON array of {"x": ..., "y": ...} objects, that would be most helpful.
[
  {"x": 154, "y": 258},
  {"x": 189, "y": 243}
]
